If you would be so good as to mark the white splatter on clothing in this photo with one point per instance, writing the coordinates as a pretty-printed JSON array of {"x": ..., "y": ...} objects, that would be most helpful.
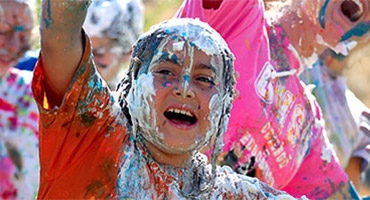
[
  {"x": 86, "y": 137},
  {"x": 19, "y": 161}
]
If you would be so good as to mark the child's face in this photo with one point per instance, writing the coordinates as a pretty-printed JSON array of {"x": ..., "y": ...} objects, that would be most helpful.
[
  {"x": 182, "y": 89},
  {"x": 185, "y": 84},
  {"x": 337, "y": 20},
  {"x": 15, "y": 31},
  {"x": 108, "y": 57}
]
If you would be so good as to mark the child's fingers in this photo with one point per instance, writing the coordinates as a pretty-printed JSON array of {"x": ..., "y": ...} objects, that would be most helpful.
[
  {"x": 368, "y": 148},
  {"x": 366, "y": 114}
]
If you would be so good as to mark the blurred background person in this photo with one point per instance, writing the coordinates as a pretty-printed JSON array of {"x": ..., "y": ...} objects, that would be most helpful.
[
  {"x": 357, "y": 73},
  {"x": 29, "y": 58},
  {"x": 19, "y": 162},
  {"x": 343, "y": 113},
  {"x": 113, "y": 25}
]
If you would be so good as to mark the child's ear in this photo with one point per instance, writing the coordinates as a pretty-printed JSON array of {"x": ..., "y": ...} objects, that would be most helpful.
[
  {"x": 236, "y": 93},
  {"x": 236, "y": 75}
]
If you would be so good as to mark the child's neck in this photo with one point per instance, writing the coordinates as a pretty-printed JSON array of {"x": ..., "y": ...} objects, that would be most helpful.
[
  {"x": 195, "y": 179},
  {"x": 169, "y": 158}
]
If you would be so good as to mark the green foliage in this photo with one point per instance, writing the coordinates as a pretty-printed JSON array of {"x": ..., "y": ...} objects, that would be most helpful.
[{"x": 159, "y": 10}]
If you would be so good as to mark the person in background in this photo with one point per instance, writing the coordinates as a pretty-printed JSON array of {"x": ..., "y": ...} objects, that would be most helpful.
[
  {"x": 276, "y": 131},
  {"x": 113, "y": 25},
  {"x": 343, "y": 112},
  {"x": 19, "y": 161},
  {"x": 345, "y": 115},
  {"x": 29, "y": 58}
]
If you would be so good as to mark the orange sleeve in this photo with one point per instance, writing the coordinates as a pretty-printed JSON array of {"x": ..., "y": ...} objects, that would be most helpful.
[{"x": 80, "y": 141}]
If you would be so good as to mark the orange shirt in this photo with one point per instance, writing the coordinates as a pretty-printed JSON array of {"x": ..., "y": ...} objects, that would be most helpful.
[
  {"x": 80, "y": 141},
  {"x": 86, "y": 152}
]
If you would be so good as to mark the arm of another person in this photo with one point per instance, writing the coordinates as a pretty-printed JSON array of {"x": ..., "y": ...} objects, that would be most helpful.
[
  {"x": 61, "y": 44},
  {"x": 360, "y": 156},
  {"x": 354, "y": 169}
]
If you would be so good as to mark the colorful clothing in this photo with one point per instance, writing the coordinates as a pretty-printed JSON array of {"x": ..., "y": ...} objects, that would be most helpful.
[
  {"x": 28, "y": 61},
  {"x": 87, "y": 152},
  {"x": 275, "y": 131},
  {"x": 19, "y": 163},
  {"x": 342, "y": 112}
]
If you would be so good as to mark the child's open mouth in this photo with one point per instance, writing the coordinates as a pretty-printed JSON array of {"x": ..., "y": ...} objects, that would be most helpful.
[
  {"x": 180, "y": 117},
  {"x": 352, "y": 10}
]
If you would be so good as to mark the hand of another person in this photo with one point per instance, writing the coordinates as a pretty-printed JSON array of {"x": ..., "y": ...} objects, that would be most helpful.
[{"x": 365, "y": 125}]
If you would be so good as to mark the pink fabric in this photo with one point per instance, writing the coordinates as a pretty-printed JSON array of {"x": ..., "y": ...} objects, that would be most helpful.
[{"x": 275, "y": 131}]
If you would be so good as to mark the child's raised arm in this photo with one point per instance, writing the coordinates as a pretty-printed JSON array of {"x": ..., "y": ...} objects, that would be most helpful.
[{"x": 61, "y": 44}]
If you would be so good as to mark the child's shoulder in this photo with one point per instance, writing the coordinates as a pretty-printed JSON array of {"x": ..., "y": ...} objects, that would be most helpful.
[{"x": 231, "y": 185}]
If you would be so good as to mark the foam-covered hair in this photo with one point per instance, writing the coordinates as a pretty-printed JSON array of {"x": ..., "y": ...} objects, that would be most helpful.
[
  {"x": 195, "y": 32},
  {"x": 120, "y": 20}
]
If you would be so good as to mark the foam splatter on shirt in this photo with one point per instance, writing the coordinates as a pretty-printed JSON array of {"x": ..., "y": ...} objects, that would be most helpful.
[{"x": 87, "y": 152}]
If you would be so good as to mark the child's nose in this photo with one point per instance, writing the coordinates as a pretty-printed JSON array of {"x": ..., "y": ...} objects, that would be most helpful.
[
  {"x": 14, "y": 43},
  {"x": 183, "y": 91}
]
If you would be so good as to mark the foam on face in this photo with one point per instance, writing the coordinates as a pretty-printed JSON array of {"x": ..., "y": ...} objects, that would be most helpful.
[{"x": 183, "y": 39}]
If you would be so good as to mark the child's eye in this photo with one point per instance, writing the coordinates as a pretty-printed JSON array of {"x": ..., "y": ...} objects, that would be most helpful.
[
  {"x": 164, "y": 72},
  {"x": 205, "y": 79}
]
